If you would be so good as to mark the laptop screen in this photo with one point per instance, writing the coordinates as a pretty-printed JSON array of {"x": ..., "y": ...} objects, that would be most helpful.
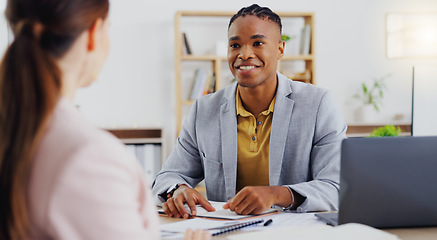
[{"x": 389, "y": 181}]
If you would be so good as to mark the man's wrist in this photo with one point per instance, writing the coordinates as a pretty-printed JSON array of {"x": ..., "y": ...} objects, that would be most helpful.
[
  {"x": 292, "y": 200},
  {"x": 170, "y": 192}
]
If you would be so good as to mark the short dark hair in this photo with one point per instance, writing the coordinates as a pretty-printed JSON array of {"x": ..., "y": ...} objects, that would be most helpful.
[{"x": 260, "y": 12}]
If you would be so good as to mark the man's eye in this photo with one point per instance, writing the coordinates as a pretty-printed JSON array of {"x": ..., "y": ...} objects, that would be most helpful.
[
  {"x": 258, "y": 43},
  {"x": 234, "y": 45}
]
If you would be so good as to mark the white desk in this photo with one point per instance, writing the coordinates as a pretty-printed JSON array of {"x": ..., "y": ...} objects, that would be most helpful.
[{"x": 402, "y": 233}]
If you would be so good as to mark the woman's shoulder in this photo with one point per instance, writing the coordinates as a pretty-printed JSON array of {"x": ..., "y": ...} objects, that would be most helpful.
[
  {"x": 70, "y": 131},
  {"x": 72, "y": 143}
]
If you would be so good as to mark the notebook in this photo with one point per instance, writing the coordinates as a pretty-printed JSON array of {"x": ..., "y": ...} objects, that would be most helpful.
[
  {"x": 387, "y": 182},
  {"x": 173, "y": 230}
]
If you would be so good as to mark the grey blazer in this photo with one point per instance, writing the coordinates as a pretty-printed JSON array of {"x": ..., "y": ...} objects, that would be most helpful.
[{"x": 306, "y": 134}]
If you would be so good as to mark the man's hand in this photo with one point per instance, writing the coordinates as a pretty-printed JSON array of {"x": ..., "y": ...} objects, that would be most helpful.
[
  {"x": 174, "y": 207},
  {"x": 257, "y": 199}
]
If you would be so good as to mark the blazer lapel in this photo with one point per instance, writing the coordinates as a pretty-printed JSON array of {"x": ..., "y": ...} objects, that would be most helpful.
[
  {"x": 228, "y": 129},
  {"x": 279, "y": 130}
]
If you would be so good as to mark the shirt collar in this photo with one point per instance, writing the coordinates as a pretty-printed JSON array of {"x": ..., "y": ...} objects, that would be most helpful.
[{"x": 243, "y": 112}]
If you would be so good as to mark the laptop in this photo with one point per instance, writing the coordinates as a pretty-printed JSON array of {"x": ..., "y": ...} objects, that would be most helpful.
[{"x": 387, "y": 182}]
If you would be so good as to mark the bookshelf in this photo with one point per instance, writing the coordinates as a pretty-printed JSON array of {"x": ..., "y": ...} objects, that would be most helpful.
[
  {"x": 294, "y": 64},
  {"x": 146, "y": 145}
]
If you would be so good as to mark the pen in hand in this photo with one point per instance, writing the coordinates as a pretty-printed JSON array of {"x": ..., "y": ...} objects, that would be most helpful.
[{"x": 268, "y": 222}]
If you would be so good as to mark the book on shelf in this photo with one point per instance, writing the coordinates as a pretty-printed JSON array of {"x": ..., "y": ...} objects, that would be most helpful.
[
  {"x": 305, "y": 43},
  {"x": 200, "y": 81},
  {"x": 186, "y": 45},
  {"x": 209, "y": 85}
]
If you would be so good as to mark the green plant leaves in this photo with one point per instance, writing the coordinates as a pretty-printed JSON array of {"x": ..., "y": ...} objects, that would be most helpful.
[
  {"x": 386, "y": 131},
  {"x": 285, "y": 38},
  {"x": 374, "y": 93}
]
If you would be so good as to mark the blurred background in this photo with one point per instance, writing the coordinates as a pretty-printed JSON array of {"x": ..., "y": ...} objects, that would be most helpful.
[{"x": 351, "y": 39}]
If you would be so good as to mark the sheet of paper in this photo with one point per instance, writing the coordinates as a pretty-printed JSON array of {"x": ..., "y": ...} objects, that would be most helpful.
[
  {"x": 222, "y": 213},
  {"x": 347, "y": 231},
  {"x": 289, "y": 219},
  {"x": 198, "y": 223}
]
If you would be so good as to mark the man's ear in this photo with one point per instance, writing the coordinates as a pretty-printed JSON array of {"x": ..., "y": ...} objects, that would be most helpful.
[
  {"x": 281, "y": 47},
  {"x": 93, "y": 34}
]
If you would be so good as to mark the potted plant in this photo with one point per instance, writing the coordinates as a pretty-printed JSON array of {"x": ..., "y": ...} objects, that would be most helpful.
[
  {"x": 386, "y": 131},
  {"x": 371, "y": 96}
]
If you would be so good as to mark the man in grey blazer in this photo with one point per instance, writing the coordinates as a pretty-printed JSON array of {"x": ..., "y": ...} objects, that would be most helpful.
[{"x": 303, "y": 138}]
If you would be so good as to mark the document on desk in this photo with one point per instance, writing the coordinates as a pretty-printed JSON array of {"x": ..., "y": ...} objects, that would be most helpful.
[
  {"x": 223, "y": 214},
  {"x": 289, "y": 219},
  {"x": 346, "y": 231}
]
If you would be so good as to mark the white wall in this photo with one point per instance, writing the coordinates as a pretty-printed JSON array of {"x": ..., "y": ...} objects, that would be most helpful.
[
  {"x": 3, "y": 28},
  {"x": 136, "y": 87}
]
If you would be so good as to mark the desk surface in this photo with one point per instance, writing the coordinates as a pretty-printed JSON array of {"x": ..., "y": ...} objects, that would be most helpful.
[{"x": 402, "y": 233}]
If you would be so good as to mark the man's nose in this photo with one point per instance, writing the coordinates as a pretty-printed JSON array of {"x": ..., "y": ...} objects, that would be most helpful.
[{"x": 246, "y": 52}]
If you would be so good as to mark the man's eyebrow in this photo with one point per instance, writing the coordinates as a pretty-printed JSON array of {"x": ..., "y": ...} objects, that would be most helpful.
[
  {"x": 258, "y": 36},
  {"x": 234, "y": 38},
  {"x": 252, "y": 37}
]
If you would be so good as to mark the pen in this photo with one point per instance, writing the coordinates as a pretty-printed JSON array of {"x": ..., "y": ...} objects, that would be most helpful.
[{"x": 268, "y": 222}]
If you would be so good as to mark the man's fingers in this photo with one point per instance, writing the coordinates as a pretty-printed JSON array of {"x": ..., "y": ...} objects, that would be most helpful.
[
  {"x": 249, "y": 209},
  {"x": 181, "y": 208},
  {"x": 236, "y": 200},
  {"x": 172, "y": 207},
  {"x": 241, "y": 208},
  {"x": 191, "y": 204},
  {"x": 205, "y": 204},
  {"x": 166, "y": 210}
]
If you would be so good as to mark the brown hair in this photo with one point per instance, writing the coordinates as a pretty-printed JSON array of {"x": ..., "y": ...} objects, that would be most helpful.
[{"x": 30, "y": 83}]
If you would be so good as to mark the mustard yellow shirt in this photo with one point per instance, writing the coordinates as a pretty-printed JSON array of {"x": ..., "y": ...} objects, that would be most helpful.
[{"x": 253, "y": 140}]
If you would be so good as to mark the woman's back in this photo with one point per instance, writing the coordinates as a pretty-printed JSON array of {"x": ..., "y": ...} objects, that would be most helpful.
[{"x": 85, "y": 185}]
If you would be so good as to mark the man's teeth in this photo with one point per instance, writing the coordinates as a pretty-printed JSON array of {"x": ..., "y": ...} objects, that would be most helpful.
[{"x": 247, "y": 67}]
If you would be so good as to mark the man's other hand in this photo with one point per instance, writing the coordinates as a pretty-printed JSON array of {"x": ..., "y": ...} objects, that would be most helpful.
[
  {"x": 174, "y": 207},
  {"x": 258, "y": 199}
]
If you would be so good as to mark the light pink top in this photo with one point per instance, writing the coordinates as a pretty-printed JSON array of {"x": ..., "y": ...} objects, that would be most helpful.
[{"x": 84, "y": 184}]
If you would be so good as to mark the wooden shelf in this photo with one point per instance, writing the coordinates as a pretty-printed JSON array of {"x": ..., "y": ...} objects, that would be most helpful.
[
  {"x": 231, "y": 13},
  {"x": 203, "y": 58},
  {"x": 188, "y": 102},
  {"x": 138, "y": 136},
  {"x": 224, "y": 58},
  {"x": 298, "y": 57}
]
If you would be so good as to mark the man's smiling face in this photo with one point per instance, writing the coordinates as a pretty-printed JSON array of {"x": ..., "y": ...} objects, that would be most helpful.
[{"x": 254, "y": 49}]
